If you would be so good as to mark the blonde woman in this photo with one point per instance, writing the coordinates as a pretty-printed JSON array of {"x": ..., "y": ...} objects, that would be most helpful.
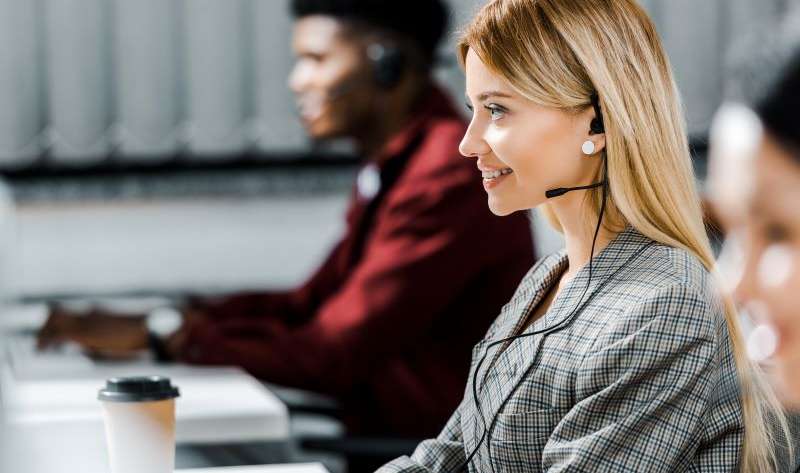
[{"x": 615, "y": 354}]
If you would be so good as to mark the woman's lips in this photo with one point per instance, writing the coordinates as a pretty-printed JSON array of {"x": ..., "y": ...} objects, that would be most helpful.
[{"x": 494, "y": 178}]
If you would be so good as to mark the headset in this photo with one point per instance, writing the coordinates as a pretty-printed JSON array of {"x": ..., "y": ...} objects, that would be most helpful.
[
  {"x": 596, "y": 127},
  {"x": 387, "y": 65}
]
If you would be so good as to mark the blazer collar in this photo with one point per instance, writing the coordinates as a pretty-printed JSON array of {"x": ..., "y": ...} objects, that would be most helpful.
[{"x": 612, "y": 258}]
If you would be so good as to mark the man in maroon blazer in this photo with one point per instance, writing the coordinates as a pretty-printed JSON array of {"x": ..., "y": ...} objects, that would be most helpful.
[{"x": 387, "y": 323}]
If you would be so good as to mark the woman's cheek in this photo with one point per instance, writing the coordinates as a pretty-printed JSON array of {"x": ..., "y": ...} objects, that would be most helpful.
[{"x": 501, "y": 143}]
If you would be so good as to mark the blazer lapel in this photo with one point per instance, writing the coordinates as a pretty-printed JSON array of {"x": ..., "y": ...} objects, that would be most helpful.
[
  {"x": 514, "y": 359},
  {"x": 531, "y": 290}
]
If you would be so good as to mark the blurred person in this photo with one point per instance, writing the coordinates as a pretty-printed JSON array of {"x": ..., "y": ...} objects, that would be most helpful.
[
  {"x": 618, "y": 353},
  {"x": 755, "y": 186},
  {"x": 387, "y": 322}
]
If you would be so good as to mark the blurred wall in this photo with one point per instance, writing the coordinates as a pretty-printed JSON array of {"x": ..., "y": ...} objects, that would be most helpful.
[
  {"x": 143, "y": 80},
  {"x": 698, "y": 35}
]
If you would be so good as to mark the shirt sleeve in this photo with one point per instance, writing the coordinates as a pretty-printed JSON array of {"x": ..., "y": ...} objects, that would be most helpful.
[
  {"x": 419, "y": 257},
  {"x": 642, "y": 395}
]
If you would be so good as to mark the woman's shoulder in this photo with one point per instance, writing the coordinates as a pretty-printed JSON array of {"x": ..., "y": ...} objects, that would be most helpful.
[
  {"x": 668, "y": 287},
  {"x": 666, "y": 266}
]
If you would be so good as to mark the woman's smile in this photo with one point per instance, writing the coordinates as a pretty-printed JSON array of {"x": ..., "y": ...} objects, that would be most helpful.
[{"x": 493, "y": 178}]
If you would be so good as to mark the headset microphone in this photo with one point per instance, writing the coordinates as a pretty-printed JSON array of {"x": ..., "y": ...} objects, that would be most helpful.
[{"x": 552, "y": 193}]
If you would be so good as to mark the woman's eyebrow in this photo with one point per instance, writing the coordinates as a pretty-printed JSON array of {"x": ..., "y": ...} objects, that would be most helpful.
[{"x": 493, "y": 93}]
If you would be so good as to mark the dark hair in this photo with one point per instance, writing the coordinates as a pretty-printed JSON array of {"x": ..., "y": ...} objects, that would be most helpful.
[
  {"x": 423, "y": 22},
  {"x": 765, "y": 75},
  {"x": 780, "y": 106}
]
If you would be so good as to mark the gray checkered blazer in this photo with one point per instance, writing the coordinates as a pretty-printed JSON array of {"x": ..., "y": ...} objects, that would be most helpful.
[{"x": 641, "y": 378}]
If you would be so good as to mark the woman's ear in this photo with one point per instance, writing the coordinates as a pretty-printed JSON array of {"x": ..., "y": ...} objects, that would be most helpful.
[
  {"x": 594, "y": 144},
  {"x": 595, "y": 141}
]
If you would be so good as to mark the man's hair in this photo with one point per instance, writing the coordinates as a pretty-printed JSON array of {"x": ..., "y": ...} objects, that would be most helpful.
[{"x": 422, "y": 22}]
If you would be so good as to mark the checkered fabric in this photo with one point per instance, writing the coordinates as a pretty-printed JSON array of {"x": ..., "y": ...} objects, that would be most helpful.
[{"x": 641, "y": 378}]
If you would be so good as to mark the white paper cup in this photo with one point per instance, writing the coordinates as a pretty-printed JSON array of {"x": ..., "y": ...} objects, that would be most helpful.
[{"x": 140, "y": 424}]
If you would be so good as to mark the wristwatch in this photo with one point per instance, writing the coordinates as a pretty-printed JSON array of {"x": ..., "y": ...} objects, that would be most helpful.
[{"x": 161, "y": 323}]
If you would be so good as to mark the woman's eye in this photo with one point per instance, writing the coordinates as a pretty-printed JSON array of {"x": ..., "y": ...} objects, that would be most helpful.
[{"x": 496, "y": 112}]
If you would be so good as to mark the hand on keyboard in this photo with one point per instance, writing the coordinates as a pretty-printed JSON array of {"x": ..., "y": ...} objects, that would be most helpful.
[{"x": 99, "y": 333}]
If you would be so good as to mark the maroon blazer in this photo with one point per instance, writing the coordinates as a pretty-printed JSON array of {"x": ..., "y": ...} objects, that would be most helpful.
[{"x": 388, "y": 321}]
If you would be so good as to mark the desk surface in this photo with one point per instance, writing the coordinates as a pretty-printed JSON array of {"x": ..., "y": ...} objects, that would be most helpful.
[
  {"x": 217, "y": 405},
  {"x": 53, "y": 421},
  {"x": 298, "y": 468}
]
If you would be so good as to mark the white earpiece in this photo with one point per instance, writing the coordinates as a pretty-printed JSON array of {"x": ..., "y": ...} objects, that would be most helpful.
[{"x": 588, "y": 147}]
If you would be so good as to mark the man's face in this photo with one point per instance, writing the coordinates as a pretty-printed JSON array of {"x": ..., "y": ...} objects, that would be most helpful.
[{"x": 331, "y": 78}]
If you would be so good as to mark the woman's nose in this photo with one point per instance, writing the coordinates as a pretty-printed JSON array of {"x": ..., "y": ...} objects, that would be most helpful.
[{"x": 473, "y": 145}]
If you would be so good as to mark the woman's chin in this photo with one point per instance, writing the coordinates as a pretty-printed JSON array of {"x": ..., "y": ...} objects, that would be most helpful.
[
  {"x": 503, "y": 207},
  {"x": 500, "y": 208}
]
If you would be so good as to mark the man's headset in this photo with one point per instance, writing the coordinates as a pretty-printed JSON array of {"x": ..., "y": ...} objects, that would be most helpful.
[{"x": 387, "y": 65}]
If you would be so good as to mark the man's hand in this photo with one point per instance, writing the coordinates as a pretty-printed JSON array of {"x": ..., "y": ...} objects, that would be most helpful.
[{"x": 101, "y": 333}]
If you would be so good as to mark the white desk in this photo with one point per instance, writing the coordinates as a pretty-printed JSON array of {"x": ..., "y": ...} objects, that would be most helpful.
[
  {"x": 217, "y": 405},
  {"x": 53, "y": 421},
  {"x": 298, "y": 468}
]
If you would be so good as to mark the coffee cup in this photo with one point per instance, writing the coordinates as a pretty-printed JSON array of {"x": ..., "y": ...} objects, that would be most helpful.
[{"x": 139, "y": 415}]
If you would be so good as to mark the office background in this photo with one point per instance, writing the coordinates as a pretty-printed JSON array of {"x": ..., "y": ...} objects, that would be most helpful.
[
  {"x": 92, "y": 81},
  {"x": 152, "y": 145}
]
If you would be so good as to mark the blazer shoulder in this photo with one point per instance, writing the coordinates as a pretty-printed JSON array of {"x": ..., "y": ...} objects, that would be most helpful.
[
  {"x": 669, "y": 287},
  {"x": 669, "y": 267}
]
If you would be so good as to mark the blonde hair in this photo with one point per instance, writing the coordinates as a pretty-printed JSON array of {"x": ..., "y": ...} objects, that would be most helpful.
[{"x": 557, "y": 53}]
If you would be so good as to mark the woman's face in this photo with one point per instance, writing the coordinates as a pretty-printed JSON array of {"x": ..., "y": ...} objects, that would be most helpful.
[
  {"x": 523, "y": 149},
  {"x": 769, "y": 232}
]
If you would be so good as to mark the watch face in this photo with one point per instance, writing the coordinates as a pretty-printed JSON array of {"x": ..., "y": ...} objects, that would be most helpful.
[
  {"x": 164, "y": 321},
  {"x": 369, "y": 182}
]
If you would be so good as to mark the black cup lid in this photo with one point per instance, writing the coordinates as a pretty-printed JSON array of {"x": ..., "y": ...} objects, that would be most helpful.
[{"x": 138, "y": 389}]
